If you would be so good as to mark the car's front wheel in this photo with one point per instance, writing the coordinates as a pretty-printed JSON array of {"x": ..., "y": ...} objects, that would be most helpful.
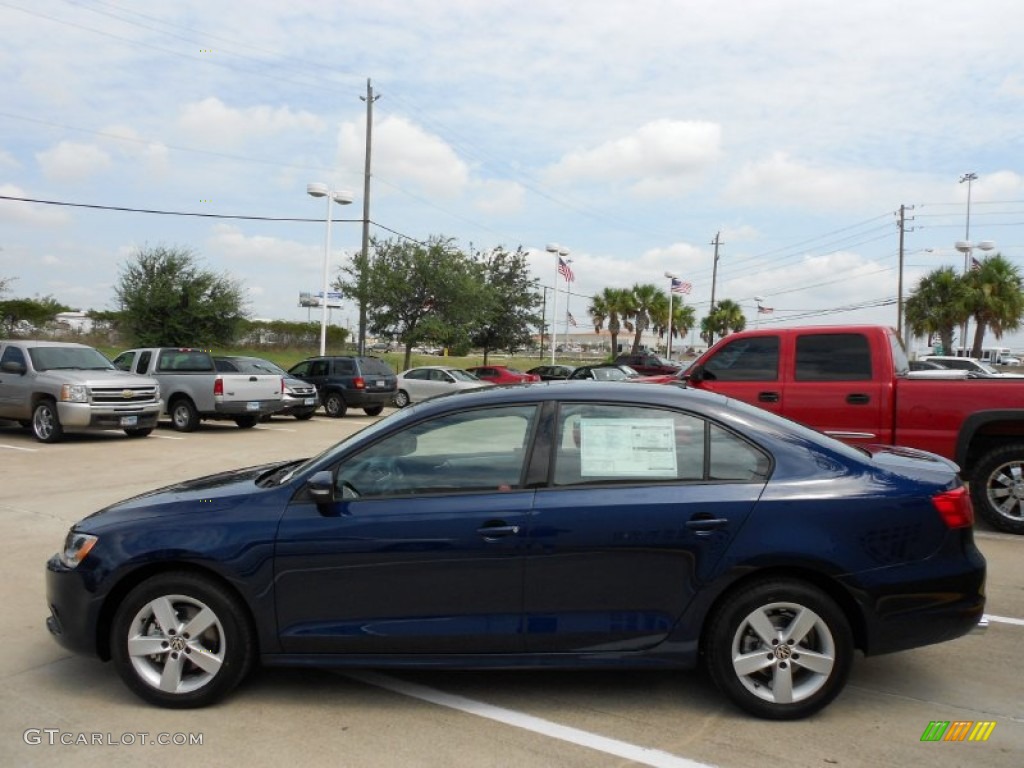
[
  {"x": 781, "y": 649},
  {"x": 401, "y": 398},
  {"x": 181, "y": 640},
  {"x": 46, "y": 424}
]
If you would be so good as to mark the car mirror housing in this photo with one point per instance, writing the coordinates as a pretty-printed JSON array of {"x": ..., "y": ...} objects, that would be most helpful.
[
  {"x": 320, "y": 488},
  {"x": 695, "y": 374}
]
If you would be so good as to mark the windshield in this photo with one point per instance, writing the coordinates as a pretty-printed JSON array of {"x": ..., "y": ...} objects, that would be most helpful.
[
  {"x": 460, "y": 375},
  {"x": 255, "y": 365},
  {"x": 68, "y": 358}
]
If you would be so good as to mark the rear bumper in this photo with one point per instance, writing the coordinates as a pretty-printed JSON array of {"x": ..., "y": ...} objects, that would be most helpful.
[
  {"x": 248, "y": 408},
  {"x": 364, "y": 398}
]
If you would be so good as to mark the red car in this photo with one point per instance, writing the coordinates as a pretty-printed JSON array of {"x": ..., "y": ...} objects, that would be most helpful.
[{"x": 500, "y": 374}]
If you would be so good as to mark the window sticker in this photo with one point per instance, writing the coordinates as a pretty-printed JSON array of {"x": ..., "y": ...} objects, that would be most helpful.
[{"x": 627, "y": 448}]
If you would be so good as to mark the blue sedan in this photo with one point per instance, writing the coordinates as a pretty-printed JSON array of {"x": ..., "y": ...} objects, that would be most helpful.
[{"x": 548, "y": 525}]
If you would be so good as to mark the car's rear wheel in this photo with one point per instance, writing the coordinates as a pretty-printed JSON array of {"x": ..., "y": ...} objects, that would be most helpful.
[
  {"x": 181, "y": 640},
  {"x": 46, "y": 424},
  {"x": 997, "y": 488},
  {"x": 304, "y": 415},
  {"x": 248, "y": 421},
  {"x": 781, "y": 649},
  {"x": 184, "y": 416},
  {"x": 375, "y": 410},
  {"x": 334, "y": 405},
  {"x": 139, "y": 432},
  {"x": 401, "y": 398}
]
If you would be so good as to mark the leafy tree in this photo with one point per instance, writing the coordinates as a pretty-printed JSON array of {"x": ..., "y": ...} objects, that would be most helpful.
[
  {"x": 727, "y": 317},
  {"x": 683, "y": 320},
  {"x": 419, "y": 292},
  {"x": 510, "y": 302},
  {"x": 646, "y": 303},
  {"x": 995, "y": 298},
  {"x": 5, "y": 284},
  {"x": 938, "y": 305},
  {"x": 166, "y": 299},
  {"x": 36, "y": 312},
  {"x": 610, "y": 307}
]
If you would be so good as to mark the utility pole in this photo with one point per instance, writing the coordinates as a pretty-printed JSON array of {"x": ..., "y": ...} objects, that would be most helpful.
[
  {"x": 714, "y": 280},
  {"x": 899, "y": 290},
  {"x": 364, "y": 258}
]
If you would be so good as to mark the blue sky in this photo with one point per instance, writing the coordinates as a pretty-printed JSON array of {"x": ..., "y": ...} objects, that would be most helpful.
[{"x": 629, "y": 132}]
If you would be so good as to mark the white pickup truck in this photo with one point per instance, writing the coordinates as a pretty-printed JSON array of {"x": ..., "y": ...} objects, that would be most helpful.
[
  {"x": 193, "y": 390},
  {"x": 53, "y": 387}
]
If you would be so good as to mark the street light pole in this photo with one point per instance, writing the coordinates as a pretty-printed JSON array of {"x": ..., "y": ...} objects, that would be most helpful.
[
  {"x": 341, "y": 198},
  {"x": 671, "y": 277},
  {"x": 966, "y": 247},
  {"x": 559, "y": 252}
]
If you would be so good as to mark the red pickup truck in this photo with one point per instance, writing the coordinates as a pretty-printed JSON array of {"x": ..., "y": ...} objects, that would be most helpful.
[{"x": 854, "y": 383}]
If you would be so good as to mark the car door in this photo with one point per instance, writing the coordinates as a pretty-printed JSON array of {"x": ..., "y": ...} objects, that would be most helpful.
[
  {"x": 422, "y": 551},
  {"x": 748, "y": 369},
  {"x": 15, "y": 394},
  {"x": 642, "y": 503}
]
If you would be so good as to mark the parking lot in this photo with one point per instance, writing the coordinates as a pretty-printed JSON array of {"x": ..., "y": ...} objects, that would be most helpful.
[{"x": 443, "y": 718}]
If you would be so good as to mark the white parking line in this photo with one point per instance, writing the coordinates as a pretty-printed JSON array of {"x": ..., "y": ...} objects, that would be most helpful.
[
  {"x": 623, "y": 749},
  {"x": 168, "y": 437},
  {"x": 18, "y": 448},
  {"x": 1005, "y": 620}
]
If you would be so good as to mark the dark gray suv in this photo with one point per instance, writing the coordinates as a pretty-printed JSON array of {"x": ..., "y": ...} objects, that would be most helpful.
[{"x": 349, "y": 382}]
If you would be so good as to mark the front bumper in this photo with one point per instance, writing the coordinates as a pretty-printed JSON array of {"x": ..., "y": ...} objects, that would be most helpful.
[
  {"x": 88, "y": 416},
  {"x": 74, "y": 610}
]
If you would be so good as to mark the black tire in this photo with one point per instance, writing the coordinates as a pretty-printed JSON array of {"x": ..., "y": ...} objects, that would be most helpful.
[
  {"x": 46, "y": 424},
  {"x": 184, "y": 416},
  {"x": 334, "y": 405},
  {"x": 304, "y": 415},
  {"x": 375, "y": 410},
  {"x": 248, "y": 421},
  {"x": 401, "y": 398},
  {"x": 754, "y": 671},
  {"x": 139, "y": 432},
  {"x": 997, "y": 488},
  {"x": 203, "y": 666}
]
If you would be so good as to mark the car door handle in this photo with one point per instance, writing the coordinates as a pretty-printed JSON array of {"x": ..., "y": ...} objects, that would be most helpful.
[
  {"x": 858, "y": 399},
  {"x": 252, "y": 378},
  {"x": 703, "y": 526},
  {"x": 495, "y": 532},
  {"x": 768, "y": 397}
]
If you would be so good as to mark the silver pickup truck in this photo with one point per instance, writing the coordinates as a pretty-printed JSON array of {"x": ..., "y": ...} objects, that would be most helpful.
[
  {"x": 54, "y": 387},
  {"x": 193, "y": 390}
]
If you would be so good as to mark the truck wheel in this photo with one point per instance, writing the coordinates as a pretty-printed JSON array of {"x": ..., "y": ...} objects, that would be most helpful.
[
  {"x": 375, "y": 410},
  {"x": 334, "y": 405},
  {"x": 247, "y": 422},
  {"x": 401, "y": 398},
  {"x": 304, "y": 415},
  {"x": 46, "y": 423},
  {"x": 997, "y": 488},
  {"x": 181, "y": 640},
  {"x": 140, "y": 432},
  {"x": 780, "y": 649},
  {"x": 184, "y": 416}
]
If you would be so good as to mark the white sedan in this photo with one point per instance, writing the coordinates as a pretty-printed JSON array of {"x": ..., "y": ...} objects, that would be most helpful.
[{"x": 427, "y": 381}]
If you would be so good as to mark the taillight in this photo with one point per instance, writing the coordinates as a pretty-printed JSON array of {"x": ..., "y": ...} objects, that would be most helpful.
[
  {"x": 218, "y": 386},
  {"x": 359, "y": 383},
  {"x": 955, "y": 508}
]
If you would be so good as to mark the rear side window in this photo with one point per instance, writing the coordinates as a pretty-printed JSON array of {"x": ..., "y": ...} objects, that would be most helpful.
[
  {"x": 754, "y": 358},
  {"x": 833, "y": 357},
  {"x": 374, "y": 367},
  {"x": 185, "y": 361},
  {"x": 344, "y": 367}
]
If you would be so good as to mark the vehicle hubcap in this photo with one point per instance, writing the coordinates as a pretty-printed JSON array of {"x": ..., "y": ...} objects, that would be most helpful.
[
  {"x": 783, "y": 653},
  {"x": 176, "y": 644},
  {"x": 1006, "y": 490},
  {"x": 43, "y": 422}
]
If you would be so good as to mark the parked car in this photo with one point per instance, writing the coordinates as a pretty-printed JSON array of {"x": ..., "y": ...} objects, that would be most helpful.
[
  {"x": 552, "y": 525},
  {"x": 53, "y": 387},
  {"x": 193, "y": 390},
  {"x": 349, "y": 382},
  {"x": 648, "y": 364},
  {"x": 975, "y": 368},
  {"x": 299, "y": 399},
  {"x": 427, "y": 381},
  {"x": 501, "y": 374},
  {"x": 606, "y": 372},
  {"x": 552, "y": 372}
]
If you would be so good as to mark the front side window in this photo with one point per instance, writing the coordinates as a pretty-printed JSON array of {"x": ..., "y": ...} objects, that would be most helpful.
[
  {"x": 469, "y": 451},
  {"x": 605, "y": 443},
  {"x": 755, "y": 358}
]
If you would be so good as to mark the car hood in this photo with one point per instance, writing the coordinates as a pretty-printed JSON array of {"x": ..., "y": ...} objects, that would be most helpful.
[
  {"x": 203, "y": 495},
  {"x": 911, "y": 461},
  {"x": 102, "y": 378}
]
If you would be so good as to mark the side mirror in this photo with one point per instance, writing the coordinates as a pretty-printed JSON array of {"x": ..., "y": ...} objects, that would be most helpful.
[
  {"x": 13, "y": 366},
  {"x": 695, "y": 375},
  {"x": 320, "y": 488}
]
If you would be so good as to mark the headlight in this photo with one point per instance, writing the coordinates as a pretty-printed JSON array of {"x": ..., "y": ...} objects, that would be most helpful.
[
  {"x": 76, "y": 547},
  {"x": 74, "y": 393}
]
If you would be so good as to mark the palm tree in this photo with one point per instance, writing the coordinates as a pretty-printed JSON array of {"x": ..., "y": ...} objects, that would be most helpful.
[
  {"x": 643, "y": 309},
  {"x": 727, "y": 317},
  {"x": 682, "y": 318},
  {"x": 938, "y": 305},
  {"x": 996, "y": 300},
  {"x": 609, "y": 307}
]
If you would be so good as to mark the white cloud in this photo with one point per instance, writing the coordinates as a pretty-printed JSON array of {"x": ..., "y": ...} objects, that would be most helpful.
[
  {"x": 31, "y": 214},
  {"x": 7, "y": 160},
  {"x": 70, "y": 161},
  {"x": 212, "y": 122},
  {"x": 779, "y": 180},
  {"x": 661, "y": 157},
  {"x": 500, "y": 198},
  {"x": 153, "y": 155}
]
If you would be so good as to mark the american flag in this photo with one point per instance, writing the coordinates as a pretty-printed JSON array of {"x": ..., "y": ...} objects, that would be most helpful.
[
  {"x": 570, "y": 318},
  {"x": 678, "y": 286},
  {"x": 765, "y": 310},
  {"x": 975, "y": 264},
  {"x": 565, "y": 270}
]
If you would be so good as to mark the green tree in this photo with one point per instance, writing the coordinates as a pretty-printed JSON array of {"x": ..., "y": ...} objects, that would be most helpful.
[
  {"x": 510, "y": 301},
  {"x": 5, "y": 284},
  {"x": 938, "y": 306},
  {"x": 646, "y": 303},
  {"x": 727, "y": 317},
  {"x": 995, "y": 299},
  {"x": 609, "y": 308},
  {"x": 36, "y": 312},
  {"x": 419, "y": 292},
  {"x": 167, "y": 300},
  {"x": 683, "y": 319}
]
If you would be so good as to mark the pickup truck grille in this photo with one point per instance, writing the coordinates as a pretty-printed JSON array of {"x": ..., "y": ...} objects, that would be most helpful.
[{"x": 123, "y": 395}]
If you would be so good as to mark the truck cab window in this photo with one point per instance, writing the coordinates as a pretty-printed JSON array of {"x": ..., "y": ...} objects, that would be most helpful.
[
  {"x": 833, "y": 357},
  {"x": 751, "y": 359}
]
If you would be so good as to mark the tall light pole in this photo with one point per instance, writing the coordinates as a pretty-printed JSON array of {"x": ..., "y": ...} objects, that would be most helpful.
[
  {"x": 559, "y": 252},
  {"x": 966, "y": 247},
  {"x": 671, "y": 277},
  {"x": 341, "y": 197}
]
